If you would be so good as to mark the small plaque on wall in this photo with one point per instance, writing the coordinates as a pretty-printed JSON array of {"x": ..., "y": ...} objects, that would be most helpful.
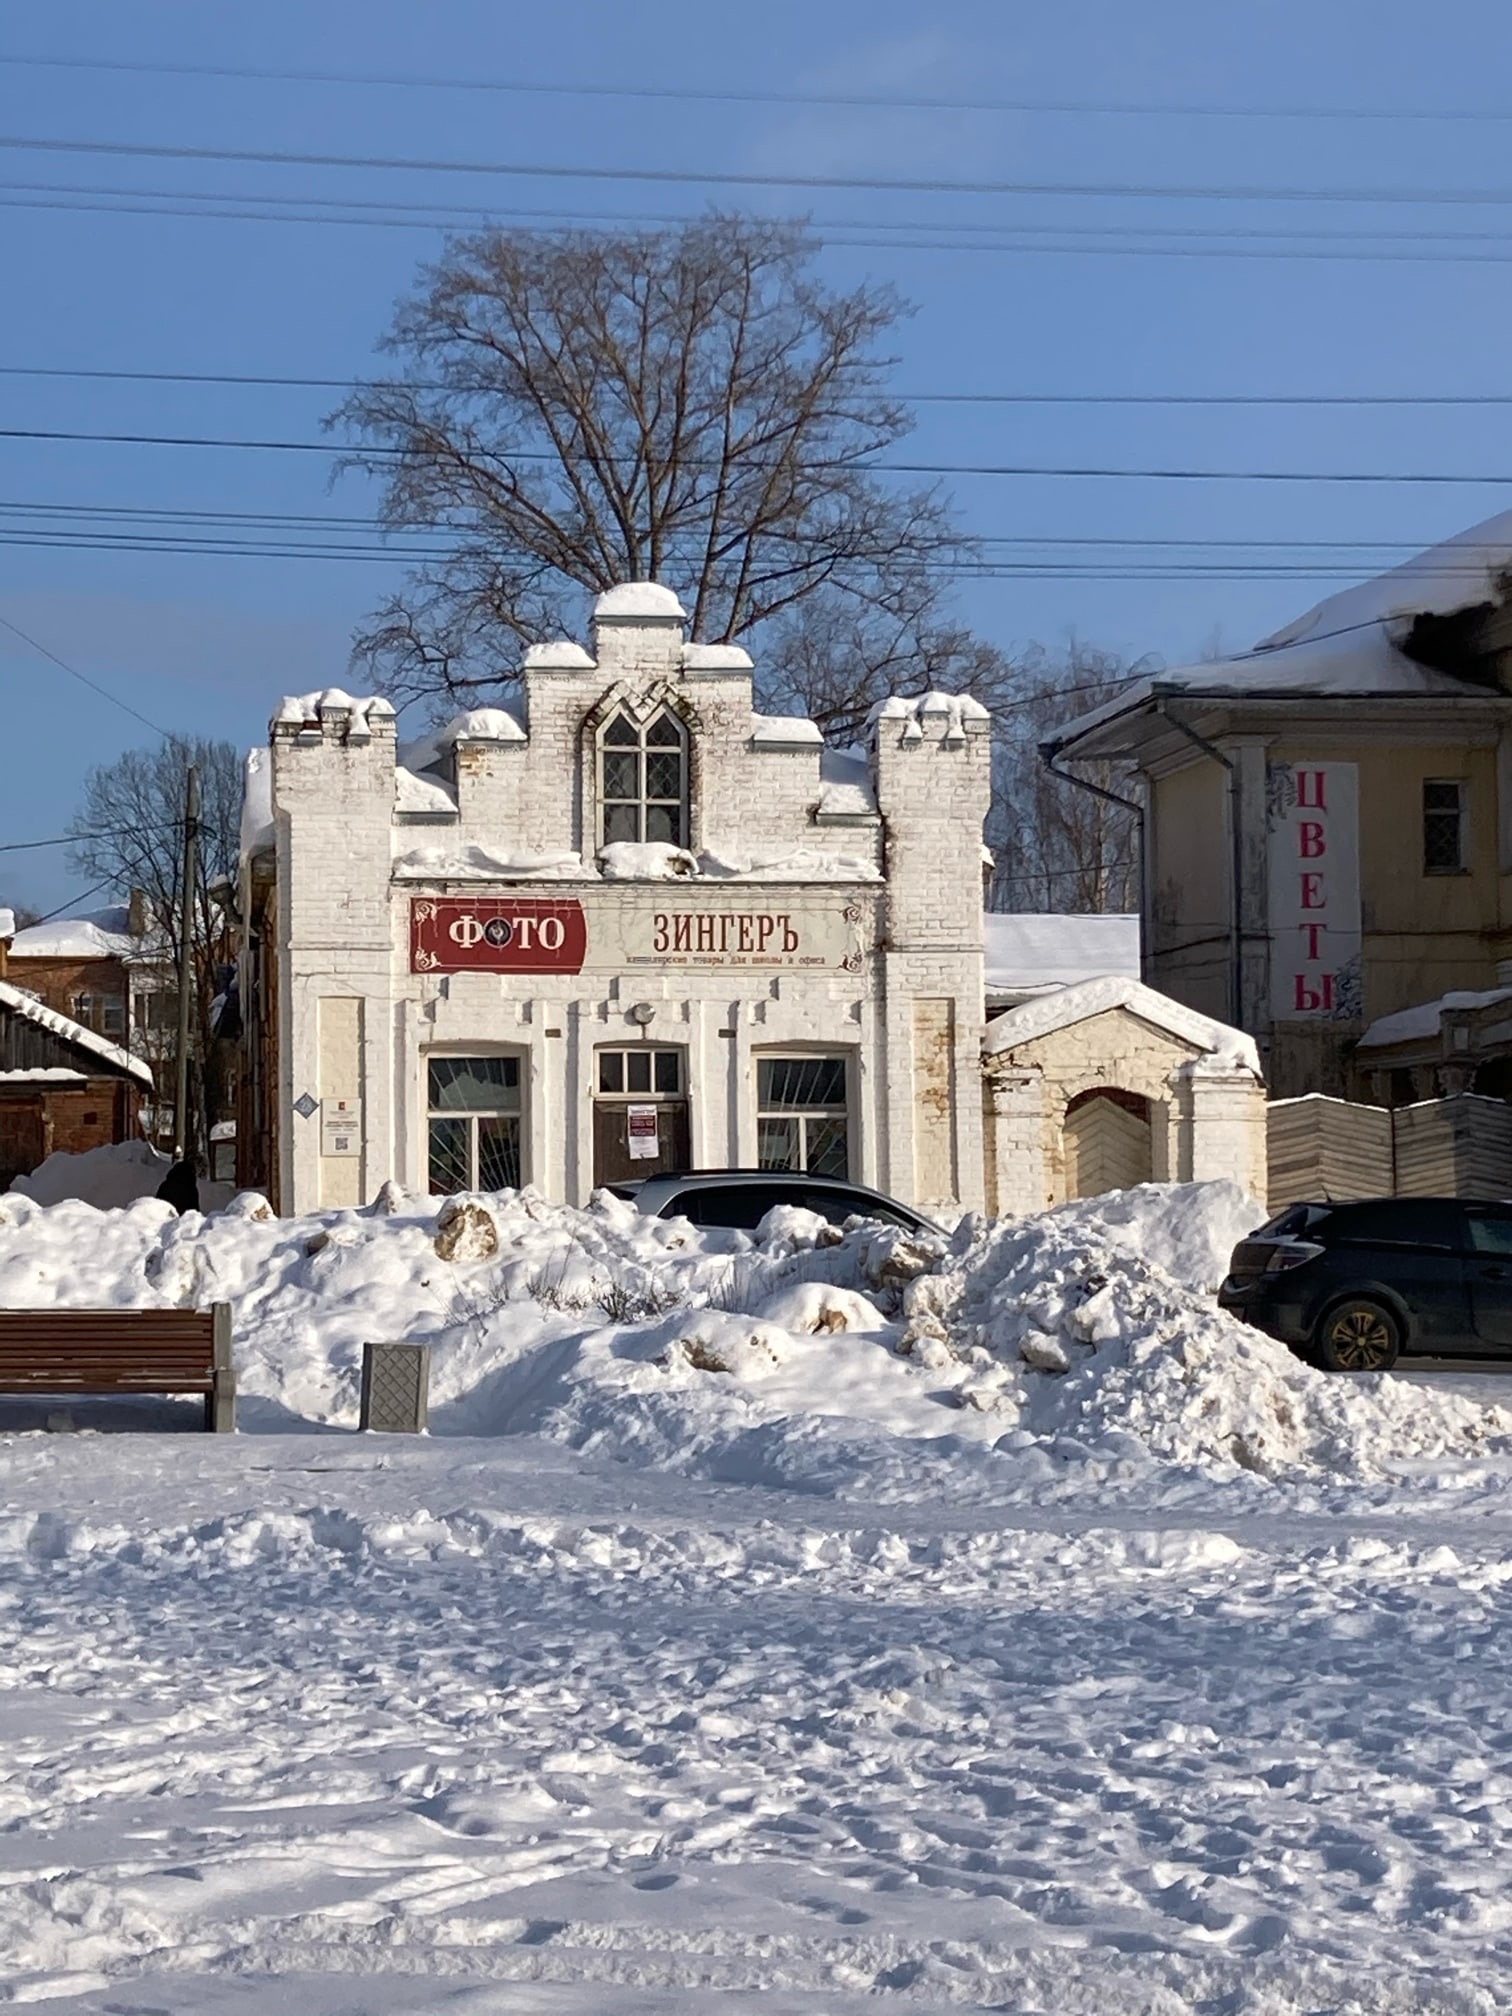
[{"x": 341, "y": 1127}]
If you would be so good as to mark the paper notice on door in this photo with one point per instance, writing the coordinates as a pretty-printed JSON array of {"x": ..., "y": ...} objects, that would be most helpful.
[{"x": 641, "y": 1129}]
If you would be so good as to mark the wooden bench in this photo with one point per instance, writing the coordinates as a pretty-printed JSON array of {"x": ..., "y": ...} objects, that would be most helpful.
[{"x": 58, "y": 1351}]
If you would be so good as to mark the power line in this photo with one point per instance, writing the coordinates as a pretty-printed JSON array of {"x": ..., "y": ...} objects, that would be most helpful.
[
  {"x": 263, "y": 205},
  {"x": 1016, "y": 469},
  {"x": 752, "y": 179},
  {"x": 1492, "y": 551},
  {"x": 723, "y": 95},
  {"x": 74, "y": 839},
  {"x": 1265, "y": 399},
  {"x": 83, "y": 677}
]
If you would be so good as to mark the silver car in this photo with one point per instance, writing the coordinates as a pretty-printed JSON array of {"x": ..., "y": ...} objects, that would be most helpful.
[{"x": 739, "y": 1199}]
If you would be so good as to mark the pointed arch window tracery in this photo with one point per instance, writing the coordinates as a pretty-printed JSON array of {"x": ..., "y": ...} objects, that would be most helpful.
[{"x": 643, "y": 779}]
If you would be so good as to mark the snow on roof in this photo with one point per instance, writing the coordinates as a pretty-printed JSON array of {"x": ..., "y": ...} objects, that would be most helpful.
[
  {"x": 27, "y": 1005},
  {"x": 845, "y": 785},
  {"x": 785, "y": 731},
  {"x": 1457, "y": 574},
  {"x": 298, "y": 708},
  {"x": 561, "y": 655},
  {"x": 1421, "y": 1023},
  {"x": 258, "y": 827},
  {"x": 1033, "y": 951},
  {"x": 715, "y": 658},
  {"x": 637, "y": 599},
  {"x": 101, "y": 934},
  {"x": 48, "y": 1074},
  {"x": 478, "y": 724},
  {"x": 1067, "y": 1006},
  {"x": 471, "y": 863},
  {"x": 956, "y": 710},
  {"x": 413, "y": 793},
  {"x": 1347, "y": 646}
]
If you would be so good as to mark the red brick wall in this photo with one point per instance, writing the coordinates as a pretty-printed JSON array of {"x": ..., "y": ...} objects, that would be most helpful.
[
  {"x": 60, "y": 982},
  {"x": 37, "y": 1121}
]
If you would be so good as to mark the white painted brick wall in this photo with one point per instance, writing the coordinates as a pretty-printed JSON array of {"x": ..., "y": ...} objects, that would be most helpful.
[{"x": 346, "y": 929}]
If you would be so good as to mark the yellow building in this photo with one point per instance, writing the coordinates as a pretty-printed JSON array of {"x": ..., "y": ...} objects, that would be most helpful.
[{"x": 1328, "y": 824}]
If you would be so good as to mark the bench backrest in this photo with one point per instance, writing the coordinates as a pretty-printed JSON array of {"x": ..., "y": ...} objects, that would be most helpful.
[{"x": 116, "y": 1344}]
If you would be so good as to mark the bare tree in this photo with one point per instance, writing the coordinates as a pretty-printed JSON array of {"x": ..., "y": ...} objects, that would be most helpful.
[
  {"x": 128, "y": 836},
  {"x": 689, "y": 405},
  {"x": 1058, "y": 846}
]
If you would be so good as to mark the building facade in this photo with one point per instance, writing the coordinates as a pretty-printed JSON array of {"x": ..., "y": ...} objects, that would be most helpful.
[
  {"x": 638, "y": 926},
  {"x": 1328, "y": 820}
]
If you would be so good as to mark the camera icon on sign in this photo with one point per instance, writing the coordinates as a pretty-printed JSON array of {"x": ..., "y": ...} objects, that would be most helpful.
[{"x": 498, "y": 931}]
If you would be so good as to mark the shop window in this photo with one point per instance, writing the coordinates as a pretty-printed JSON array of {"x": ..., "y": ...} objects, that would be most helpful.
[
  {"x": 1443, "y": 826},
  {"x": 802, "y": 1114},
  {"x": 474, "y": 1106},
  {"x": 643, "y": 780}
]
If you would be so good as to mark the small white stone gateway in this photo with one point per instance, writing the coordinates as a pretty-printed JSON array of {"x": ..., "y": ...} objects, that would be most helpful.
[{"x": 625, "y": 924}]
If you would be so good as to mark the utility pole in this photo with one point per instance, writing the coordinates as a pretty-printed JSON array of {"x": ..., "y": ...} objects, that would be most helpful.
[{"x": 183, "y": 1137}]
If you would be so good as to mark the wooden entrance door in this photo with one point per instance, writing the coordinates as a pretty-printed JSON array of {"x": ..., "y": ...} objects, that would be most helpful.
[
  {"x": 612, "y": 1162},
  {"x": 22, "y": 1137}
]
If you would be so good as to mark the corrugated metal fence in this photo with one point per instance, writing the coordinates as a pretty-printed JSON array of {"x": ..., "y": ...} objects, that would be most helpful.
[{"x": 1334, "y": 1148}]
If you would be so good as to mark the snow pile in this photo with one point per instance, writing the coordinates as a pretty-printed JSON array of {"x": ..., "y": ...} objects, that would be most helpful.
[
  {"x": 1086, "y": 1336},
  {"x": 105, "y": 1178},
  {"x": 1058, "y": 1349}
]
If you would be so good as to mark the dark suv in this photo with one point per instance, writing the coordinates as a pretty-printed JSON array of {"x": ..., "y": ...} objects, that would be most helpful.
[{"x": 1353, "y": 1286}]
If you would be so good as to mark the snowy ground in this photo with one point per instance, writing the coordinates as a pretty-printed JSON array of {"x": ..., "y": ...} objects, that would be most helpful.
[{"x": 670, "y": 1690}]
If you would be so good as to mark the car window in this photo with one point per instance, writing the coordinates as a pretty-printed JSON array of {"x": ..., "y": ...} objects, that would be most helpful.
[
  {"x": 1293, "y": 1221},
  {"x": 838, "y": 1205},
  {"x": 1491, "y": 1232},
  {"x": 1397, "y": 1221},
  {"x": 740, "y": 1206}
]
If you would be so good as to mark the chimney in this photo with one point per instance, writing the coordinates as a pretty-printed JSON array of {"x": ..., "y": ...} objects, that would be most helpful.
[
  {"x": 638, "y": 629},
  {"x": 7, "y": 932},
  {"x": 138, "y": 913}
]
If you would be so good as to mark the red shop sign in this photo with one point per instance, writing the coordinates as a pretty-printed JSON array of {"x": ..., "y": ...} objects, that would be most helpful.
[{"x": 497, "y": 934}]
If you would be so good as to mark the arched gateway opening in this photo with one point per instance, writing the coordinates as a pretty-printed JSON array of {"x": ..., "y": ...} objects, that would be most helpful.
[{"x": 1108, "y": 1140}]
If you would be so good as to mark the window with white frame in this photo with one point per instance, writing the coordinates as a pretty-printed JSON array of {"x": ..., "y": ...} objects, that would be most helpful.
[
  {"x": 802, "y": 1114},
  {"x": 1443, "y": 825},
  {"x": 474, "y": 1106},
  {"x": 643, "y": 780}
]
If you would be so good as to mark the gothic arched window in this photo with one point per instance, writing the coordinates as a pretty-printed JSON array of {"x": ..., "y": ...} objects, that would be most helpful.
[{"x": 643, "y": 779}]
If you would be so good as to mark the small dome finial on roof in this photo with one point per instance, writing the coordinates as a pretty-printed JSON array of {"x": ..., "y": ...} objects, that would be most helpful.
[{"x": 639, "y": 601}]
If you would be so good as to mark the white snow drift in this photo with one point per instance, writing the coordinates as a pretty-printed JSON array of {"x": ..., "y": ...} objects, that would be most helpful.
[{"x": 843, "y": 1363}]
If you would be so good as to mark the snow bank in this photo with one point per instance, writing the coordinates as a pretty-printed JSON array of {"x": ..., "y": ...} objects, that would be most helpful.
[
  {"x": 1066, "y": 1349},
  {"x": 103, "y": 1177}
]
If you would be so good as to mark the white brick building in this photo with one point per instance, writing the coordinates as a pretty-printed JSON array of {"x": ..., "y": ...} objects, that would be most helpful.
[{"x": 642, "y": 917}]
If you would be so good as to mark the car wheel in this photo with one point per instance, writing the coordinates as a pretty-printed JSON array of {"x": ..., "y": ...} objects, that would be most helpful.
[{"x": 1358, "y": 1336}]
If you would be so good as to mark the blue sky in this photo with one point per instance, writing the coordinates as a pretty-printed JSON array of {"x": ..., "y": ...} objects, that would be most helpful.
[{"x": 207, "y": 644}]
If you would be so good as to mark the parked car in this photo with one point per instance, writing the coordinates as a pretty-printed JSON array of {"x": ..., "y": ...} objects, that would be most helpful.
[
  {"x": 741, "y": 1198},
  {"x": 1355, "y": 1286}
]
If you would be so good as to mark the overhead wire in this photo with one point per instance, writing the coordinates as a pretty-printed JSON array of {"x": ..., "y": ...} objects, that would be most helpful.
[
  {"x": 1161, "y": 241},
  {"x": 83, "y": 677},
  {"x": 288, "y": 381},
  {"x": 934, "y": 185},
  {"x": 1099, "y": 472},
  {"x": 685, "y": 94}
]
